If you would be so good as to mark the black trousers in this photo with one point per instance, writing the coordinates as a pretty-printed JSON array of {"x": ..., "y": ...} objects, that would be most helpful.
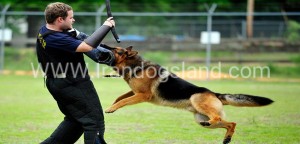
[{"x": 77, "y": 99}]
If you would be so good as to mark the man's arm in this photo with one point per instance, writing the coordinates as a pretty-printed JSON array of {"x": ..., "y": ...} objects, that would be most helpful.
[
  {"x": 95, "y": 39},
  {"x": 83, "y": 47}
]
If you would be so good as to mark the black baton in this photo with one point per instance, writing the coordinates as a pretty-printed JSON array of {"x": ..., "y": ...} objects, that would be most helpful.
[{"x": 113, "y": 30}]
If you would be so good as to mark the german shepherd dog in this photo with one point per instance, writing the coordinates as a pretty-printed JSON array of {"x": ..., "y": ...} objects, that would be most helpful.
[{"x": 150, "y": 82}]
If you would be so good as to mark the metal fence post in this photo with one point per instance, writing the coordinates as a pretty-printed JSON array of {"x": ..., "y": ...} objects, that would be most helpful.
[
  {"x": 3, "y": 12},
  {"x": 208, "y": 45},
  {"x": 98, "y": 16},
  {"x": 97, "y": 25},
  {"x": 243, "y": 30}
]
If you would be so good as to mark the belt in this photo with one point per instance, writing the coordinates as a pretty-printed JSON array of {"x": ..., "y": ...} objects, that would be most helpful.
[{"x": 61, "y": 75}]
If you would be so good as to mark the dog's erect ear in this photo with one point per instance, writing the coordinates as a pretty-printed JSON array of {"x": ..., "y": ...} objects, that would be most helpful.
[
  {"x": 129, "y": 48},
  {"x": 132, "y": 53}
]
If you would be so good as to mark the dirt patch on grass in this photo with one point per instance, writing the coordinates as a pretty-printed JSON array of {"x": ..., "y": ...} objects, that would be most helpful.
[{"x": 201, "y": 75}]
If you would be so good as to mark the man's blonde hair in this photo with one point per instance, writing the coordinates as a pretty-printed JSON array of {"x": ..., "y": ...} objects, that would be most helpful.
[{"x": 55, "y": 10}]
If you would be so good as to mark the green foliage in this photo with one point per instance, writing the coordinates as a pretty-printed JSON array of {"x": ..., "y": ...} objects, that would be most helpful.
[
  {"x": 19, "y": 59},
  {"x": 157, "y": 57},
  {"x": 296, "y": 59},
  {"x": 31, "y": 5},
  {"x": 284, "y": 71},
  {"x": 157, "y": 5},
  {"x": 293, "y": 32},
  {"x": 279, "y": 71}
]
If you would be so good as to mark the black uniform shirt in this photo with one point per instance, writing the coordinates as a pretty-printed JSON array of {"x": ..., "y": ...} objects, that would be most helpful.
[{"x": 57, "y": 54}]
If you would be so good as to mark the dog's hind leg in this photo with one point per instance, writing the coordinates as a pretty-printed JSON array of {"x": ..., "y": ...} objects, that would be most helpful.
[{"x": 210, "y": 112}]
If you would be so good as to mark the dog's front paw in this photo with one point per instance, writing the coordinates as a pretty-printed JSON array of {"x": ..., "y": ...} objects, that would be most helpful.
[{"x": 110, "y": 110}]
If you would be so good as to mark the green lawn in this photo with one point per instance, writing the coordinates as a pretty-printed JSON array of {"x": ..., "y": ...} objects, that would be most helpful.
[{"x": 29, "y": 114}]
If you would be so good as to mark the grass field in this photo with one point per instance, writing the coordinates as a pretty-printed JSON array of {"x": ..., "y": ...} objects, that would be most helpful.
[{"x": 29, "y": 114}]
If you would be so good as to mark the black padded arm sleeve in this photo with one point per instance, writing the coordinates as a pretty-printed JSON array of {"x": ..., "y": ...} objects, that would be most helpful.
[
  {"x": 101, "y": 55},
  {"x": 95, "y": 39}
]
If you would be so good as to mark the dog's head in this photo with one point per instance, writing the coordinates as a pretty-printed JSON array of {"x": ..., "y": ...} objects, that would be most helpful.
[{"x": 124, "y": 57}]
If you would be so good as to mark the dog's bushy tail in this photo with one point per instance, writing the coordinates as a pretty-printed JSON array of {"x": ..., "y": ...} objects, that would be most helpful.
[{"x": 243, "y": 100}]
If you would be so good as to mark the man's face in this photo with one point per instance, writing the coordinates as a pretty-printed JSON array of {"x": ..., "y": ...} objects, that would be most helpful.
[{"x": 68, "y": 21}]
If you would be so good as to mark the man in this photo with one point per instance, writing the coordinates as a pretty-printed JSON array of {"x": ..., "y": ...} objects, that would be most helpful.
[{"x": 60, "y": 51}]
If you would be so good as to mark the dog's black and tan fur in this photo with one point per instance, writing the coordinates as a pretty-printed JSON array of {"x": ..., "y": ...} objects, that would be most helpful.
[{"x": 151, "y": 83}]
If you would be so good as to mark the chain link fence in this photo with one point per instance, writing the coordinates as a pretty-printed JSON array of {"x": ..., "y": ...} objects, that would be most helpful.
[
  {"x": 154, "y": 27},
  {"x": 158, "y": 30}
]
